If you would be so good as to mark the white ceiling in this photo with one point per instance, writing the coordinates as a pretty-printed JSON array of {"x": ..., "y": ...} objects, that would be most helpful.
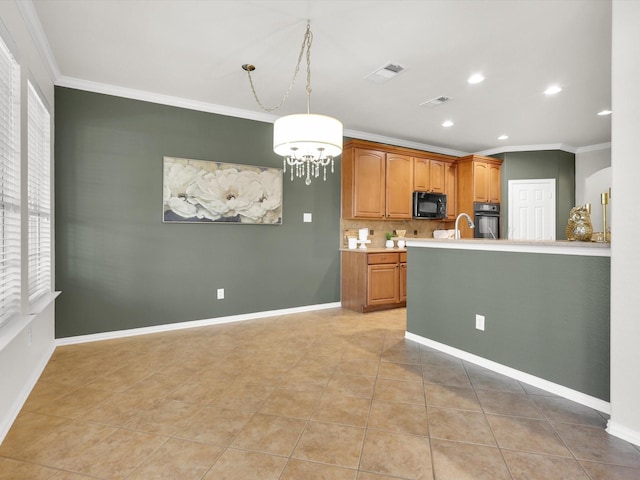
[{"x": 191, "y": 51}]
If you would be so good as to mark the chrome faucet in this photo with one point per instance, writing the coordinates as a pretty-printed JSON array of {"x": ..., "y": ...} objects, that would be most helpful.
[{"x": 469, "y": 221}]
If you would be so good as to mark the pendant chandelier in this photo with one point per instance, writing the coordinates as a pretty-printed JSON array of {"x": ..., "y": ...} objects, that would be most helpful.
[{"x": 307, "y": 142}]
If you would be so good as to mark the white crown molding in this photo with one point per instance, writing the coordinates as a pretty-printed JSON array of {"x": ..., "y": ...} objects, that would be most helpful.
[
  {"x": 593, "y": 148},
  {"x": 180, "y": 102},
  {"x": 403, "y": 143},
  {"x": 145, "y": 96},
  {"x": 32, "y": 21},
  {"x": 151, "y": 97},
  {"x": 529, "y": 148}
]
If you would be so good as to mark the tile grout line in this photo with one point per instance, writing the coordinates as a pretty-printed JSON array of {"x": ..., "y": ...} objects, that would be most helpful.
[{"x": 484, "y": 414}]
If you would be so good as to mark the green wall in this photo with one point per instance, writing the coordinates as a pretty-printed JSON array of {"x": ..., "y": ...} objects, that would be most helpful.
[
  {"x": 541, "y": 164},
  {"x": 119, "y": 267},
  {"x": 546, "y": 315}
]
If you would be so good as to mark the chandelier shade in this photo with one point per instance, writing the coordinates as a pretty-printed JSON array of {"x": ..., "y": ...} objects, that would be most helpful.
[{"x": 307, "y": 135}]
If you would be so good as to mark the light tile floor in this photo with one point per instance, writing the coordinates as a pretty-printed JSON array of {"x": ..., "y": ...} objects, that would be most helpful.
[{"x": 322, "y": 395}]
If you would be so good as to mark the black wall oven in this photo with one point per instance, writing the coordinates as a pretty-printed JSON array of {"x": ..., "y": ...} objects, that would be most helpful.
[{"x": 487, "y": 220}]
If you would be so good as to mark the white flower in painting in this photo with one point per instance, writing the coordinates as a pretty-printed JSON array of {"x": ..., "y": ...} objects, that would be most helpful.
[
  {"x": 177, "y": 178},
  {"x": 225, "y": 193},
  {"x": 271, "y": 200},
  {"x": 180, "y": 206}
]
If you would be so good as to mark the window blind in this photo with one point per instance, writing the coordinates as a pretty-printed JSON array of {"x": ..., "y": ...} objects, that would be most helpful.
[
  {"x": 38, "y": 195},
  {"x": 9, "y": 185}
]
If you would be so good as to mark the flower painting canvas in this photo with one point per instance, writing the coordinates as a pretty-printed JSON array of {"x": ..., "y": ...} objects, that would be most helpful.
[{"x": 199, "y": 191}]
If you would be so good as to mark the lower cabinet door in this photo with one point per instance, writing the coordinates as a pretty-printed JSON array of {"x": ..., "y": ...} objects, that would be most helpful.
[
  {"x": 383, "y": 284},
  {"x": 403, "y": 282}
]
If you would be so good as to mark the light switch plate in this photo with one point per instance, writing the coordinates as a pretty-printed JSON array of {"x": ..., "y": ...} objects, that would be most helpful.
[
  {"x": 220, "y": 293},
  {"x": 480, "y": 322},
  {"x": 306, "y": 217}
]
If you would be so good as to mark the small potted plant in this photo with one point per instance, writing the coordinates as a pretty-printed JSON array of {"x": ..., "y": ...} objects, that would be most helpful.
[{"x": 389, "y": 242}]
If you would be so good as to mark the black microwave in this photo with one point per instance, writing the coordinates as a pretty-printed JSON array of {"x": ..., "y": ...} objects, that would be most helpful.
[{"x": 429, "y": 205}]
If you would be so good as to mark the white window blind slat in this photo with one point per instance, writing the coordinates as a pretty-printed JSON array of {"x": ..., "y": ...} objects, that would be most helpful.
[
  {"x": 9, "y": 185},
  {"x": 38, "y": 196}
]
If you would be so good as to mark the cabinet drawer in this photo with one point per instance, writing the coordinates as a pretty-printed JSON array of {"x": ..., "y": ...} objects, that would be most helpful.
[
  {"x": 403, "y": 257},
  {"x": 376, "y": 258}
]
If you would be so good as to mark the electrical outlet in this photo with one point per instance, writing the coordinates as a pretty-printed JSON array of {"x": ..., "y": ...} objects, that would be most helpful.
[
  {"x": 306, "y": 217},
  {"x": 479, "y": 322},
  {"x": 371, "y": 232},
  {"x": 415, "y": 233},
  {"x": 220, "y": 293}
]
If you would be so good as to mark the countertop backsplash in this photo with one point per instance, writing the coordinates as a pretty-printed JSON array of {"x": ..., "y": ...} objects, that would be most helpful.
[{"x": 414, "y": 228}]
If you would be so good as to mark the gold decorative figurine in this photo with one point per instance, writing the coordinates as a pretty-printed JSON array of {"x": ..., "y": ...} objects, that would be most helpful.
[{"x": 579, "y": 226}]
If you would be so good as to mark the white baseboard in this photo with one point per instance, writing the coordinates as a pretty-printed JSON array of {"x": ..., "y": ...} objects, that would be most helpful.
[
  {"x": 7, "y": 421},
  {"x": 529, "y": 379},
  {"x": 631, "y": 436},
  {"x": 96, "y": 337}
]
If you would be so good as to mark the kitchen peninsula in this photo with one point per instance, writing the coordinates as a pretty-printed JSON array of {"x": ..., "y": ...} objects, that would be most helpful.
[{"x": 545, "y": 307}]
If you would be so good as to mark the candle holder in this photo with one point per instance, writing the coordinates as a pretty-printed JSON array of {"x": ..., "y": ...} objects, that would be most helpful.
[{"x": 604, "y": 200}]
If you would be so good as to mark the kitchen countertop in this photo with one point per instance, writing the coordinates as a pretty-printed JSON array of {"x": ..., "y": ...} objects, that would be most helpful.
[
  {"x": 373, "y": 250},
  {"x": 560, "y": 247}
]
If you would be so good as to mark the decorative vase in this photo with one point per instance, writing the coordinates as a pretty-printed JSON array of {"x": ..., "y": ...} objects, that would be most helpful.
[
  {"x": 389, "y": 244},
  {"x": 401, "y": 243}
]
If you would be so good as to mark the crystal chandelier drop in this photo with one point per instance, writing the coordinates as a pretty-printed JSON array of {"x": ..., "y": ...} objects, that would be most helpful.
[{"x": 307, "y": 142}]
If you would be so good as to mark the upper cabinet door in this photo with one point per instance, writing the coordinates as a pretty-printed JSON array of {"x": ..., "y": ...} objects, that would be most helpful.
[
  {"x": 451, "y": 190},
  {"x": 369, "y": 183},
  {"x": 481, "y": 182},
  {"x": 420, "y": 174},
  {"x": 494, "y": 183},
  {"x": 437, "y": 176},
  {"x": 399, "y": 178}
]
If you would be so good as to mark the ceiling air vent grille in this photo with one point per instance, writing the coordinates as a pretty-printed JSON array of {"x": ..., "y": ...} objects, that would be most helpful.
[
  {"x": 434, "y": 102},
  {"x": 385, "y": 73}
]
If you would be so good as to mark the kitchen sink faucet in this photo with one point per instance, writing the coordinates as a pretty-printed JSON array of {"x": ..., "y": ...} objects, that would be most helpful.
[{"x": 469, "y": 221}]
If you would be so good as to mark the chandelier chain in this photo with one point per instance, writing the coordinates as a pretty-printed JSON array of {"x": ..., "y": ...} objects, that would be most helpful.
[{"x": 306, "y": 44}]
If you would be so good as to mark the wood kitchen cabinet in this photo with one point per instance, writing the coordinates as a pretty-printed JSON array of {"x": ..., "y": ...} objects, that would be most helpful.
[
  {"x": 495, "y": 186},
  {"x": 479, "y": 178},
  {"x": 373, "y": 280},
  {"x": 403, "y": 277},
  {"x": 363, "y": 182},
  {"x": 478, "y": 181},
  {"x": 430, "y": 174},
  {"x": 398, "y": 180},
  {"x": 451, "y": 188},
  {"x": 437, "y": 176},
  {"x": 378, "y": 180},
  {"x": 421, "y": 175}
]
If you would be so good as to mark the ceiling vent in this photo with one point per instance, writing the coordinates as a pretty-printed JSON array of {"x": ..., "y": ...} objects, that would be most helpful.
[
  {"x": 385, "y": 73},
  {"x": 434, "y": 102}
]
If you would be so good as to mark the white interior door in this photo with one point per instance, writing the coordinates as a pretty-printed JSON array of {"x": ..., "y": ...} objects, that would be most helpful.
[{"x": 532, "y": 209}]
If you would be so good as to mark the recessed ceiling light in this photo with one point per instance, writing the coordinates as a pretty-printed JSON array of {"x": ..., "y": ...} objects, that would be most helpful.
[
  {"x": 503, "y": 137},
  {"x": 447, "y": 123},
  {"x": 476, "y": 78},
  {"x": 604, "y": 112},
  {"x": 552, "y": 90}
]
